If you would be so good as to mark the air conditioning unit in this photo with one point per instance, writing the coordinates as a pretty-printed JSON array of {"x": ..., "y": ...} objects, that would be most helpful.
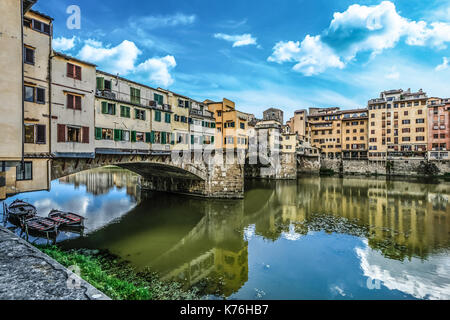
[{"x": 152, "y": 103}]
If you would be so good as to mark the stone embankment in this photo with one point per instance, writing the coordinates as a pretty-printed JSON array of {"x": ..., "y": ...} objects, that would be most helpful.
[{"x": 28, "y": 274}]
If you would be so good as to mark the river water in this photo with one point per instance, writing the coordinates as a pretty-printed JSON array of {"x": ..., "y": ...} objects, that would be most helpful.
[{"x": 318, "y": 238}]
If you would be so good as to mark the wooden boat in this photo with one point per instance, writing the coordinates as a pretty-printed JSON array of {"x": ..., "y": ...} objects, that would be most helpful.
[
  {"x": 67, "y": 220},
  {"x": 19, "y": 211},
  {"x": 41, "y": 227}
]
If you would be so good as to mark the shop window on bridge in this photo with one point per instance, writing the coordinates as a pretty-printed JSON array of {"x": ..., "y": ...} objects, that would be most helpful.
[
  {"x": 73, "y": 134},
  {"x": 107, "y": 134},
  {"x": 24, "y": 171}
]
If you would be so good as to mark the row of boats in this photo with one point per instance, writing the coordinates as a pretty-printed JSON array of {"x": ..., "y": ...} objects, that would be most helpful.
[{"x": 24, "y": 215}]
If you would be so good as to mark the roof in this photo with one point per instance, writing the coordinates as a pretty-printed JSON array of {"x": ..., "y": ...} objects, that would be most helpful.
[
  {"x": 128, "y": 80},
  {"x": 62, "y": 55},
  {"x": 41, "y": 14}
]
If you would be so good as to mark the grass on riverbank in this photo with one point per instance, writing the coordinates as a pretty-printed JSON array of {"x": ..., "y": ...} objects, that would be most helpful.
[{"x": 116, "y": 278}]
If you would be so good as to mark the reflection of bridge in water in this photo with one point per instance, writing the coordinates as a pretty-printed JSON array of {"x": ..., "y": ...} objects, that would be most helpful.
[{"x": 202, "y": 242}]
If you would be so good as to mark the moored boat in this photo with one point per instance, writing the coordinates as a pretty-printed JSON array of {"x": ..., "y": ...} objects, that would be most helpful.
[
  {"x": 67, "y": 220},
  {"x": 41, "y": 227},
  {"x": 19, "y": 211}
]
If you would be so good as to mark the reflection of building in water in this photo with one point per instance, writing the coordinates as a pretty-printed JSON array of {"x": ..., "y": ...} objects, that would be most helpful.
[
  {"x": 401, "y": 218},
  {"x": 101, "y": 181},
  {"x": 406, "y": 216},
  {"x": 13, "y": 180},
  {"x": 222, "y": 271}
]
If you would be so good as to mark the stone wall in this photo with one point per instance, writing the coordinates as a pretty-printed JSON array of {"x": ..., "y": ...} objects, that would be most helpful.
[
  {"x": 284, "y": 169},
  {"x": 308, "y": 164},
  {"x": 410, "y": 167}
]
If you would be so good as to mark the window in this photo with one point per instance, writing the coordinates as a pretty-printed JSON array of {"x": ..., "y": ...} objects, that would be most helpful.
[
  {"x": 167, "y": 117},
  {"x": 140, "y": 114},
  {"x": 406, "y": 122},
  {"x": 41, "y": 27},
  {"x": 107, "y": 134},
  {"x": 28, "y": 55},
  {"x": 73, "y": 71},
  {"x": 29, "y": 94},
  {"x": 24, "y": 171},
  {"x": 135, "y": 95},
  {"x": 420, "y": 139},
  {"x": 242, "y": 126},
  {"x": 35, "y": 134},
  {"x": 108, "y": 108},
  {"x": 420, "y": 129},
  {"x": 159, "y": 98},
  {"x": 73, "y": 102},
  {"x": 29, "y": 133},
  {"x": 420, "y": 121},
  {"x": 104, "y": 85},
  {"x": 125, "y": 112},
  {"x": 73, "y": 134}
]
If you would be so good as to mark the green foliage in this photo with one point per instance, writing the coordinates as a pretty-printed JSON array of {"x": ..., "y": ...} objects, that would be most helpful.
[{"x": 116, "y": 278}]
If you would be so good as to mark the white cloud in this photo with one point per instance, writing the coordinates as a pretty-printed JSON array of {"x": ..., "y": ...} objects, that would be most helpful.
[
  {"x": 444, "y": 65},
  {"x": 238, "y": 40},
  {"x": 93, "y": 43},
  {"x": 312, "y": 56},
  {"x": 370, "y": 29},
  {"x": 158, "y": 70},
  {"x": 393, "y": 74},
  {"x": 64, "y": 44},
  {"x": 154, "y": 22},
  {"x": 120, "y": 59}
]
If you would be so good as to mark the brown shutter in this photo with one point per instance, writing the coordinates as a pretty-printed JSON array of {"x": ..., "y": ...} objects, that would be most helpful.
[
  {"x": 40, "y": 134},
  {"x": 78, "y": 72},
  {"x": 77, "y": 102},
  {"x": 70, "y": 99},
  {"x": 70, "y": 70},
  {"x": 85, "y": 135},
  {"x": 61, "y": 133}
]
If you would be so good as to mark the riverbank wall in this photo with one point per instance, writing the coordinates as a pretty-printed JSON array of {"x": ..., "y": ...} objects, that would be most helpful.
[
  {"x": 29, "y": 274},
  {"x": 401, "y": 167}
]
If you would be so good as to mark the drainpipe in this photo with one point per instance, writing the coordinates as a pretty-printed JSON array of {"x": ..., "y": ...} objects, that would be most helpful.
[
  {"x": 49, "y": 162},
  {"x": 23, "y": 88}
]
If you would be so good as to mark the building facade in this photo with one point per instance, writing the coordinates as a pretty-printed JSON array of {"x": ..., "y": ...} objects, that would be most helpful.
[
  {"x": 73, "y": 101},
  {"x": 355, "y": 128},
  {"x": 202, "y": 127},
  {"x": 398, "y": 125},
  {"x": 438, "y": 128},
  {"x": 274, "y": 114},
  {"x": 324, "y": 129},
  {"x": 231, "y": 125}
]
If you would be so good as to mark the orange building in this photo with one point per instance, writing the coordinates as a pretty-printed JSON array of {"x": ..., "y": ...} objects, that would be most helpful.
[
  {"x": 231, "y": 125},
  {"x": 438, "y": 128}
]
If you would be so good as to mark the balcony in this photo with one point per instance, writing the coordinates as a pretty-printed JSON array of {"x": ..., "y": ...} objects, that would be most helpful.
[{"x": 106, "y": 94}]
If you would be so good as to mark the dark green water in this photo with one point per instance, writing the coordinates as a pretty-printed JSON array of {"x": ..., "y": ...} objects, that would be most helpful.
[{"x": 318, "y": 238}]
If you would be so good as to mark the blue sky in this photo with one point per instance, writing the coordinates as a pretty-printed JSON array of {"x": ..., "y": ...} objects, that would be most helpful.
[{"x": 261, "y": 54}]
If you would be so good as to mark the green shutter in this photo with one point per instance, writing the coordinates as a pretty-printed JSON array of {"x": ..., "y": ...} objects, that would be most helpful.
[
  {"x": 192, "y": 139},
  {"x": 148, "y": 137},
  {"x": 133, "y": 136},
  {"x": 100, "y": 83},
  {"x": 158, "y": 116},
  {"x": 114, "y": 110},
  {"x": 167, "y": 117},
  {"x": 152, "y": 137},
  {"x": 117, "y": 135},
  {"x": 98, "y": 133},
  {"x": 136, "y": 113},
  {"x": 212, "y": 139},
  {"x": 104, "y": 107},
  {"x": 163, "y": 137}
]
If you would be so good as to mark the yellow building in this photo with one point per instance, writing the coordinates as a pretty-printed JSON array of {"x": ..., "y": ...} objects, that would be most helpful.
[
  {"x": 231, "y": 125},
  {"x": 324, "y": 129},
  {"x": 354, "y": 128},
  {"x": 297, "y": 123},
  {"x": 180, "y": 124},
  {"x": 398, "y": 125}
]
